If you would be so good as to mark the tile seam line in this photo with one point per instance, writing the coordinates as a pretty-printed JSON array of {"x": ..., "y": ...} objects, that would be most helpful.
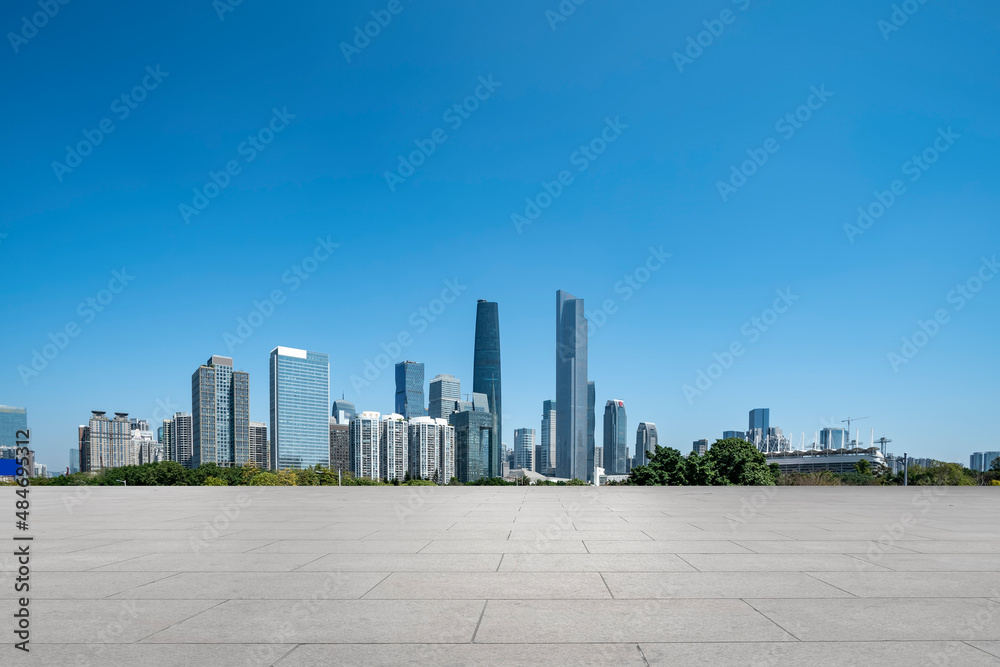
[
  {"x": 479, "y": 622},
  {"x": 829, "y": 584},
  {"x": 138, "y": 641},
  {"x": 284, "y": 655},
  {"x": 775, "y": 623}
]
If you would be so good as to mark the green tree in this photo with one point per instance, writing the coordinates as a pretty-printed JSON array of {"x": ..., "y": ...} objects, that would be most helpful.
[
  {"x": 864, "y": 467},
  {"x": 214, "y": 481},
  {"x": 736, "y": 462},
  {"x": 996, "y": 465},
  {"x": 666, "y": 468}
]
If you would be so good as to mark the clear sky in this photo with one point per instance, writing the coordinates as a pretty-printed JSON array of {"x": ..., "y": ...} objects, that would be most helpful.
[{"x": 632, "y": 126}]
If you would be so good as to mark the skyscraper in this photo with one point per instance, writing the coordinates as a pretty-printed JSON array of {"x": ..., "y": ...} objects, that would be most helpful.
[
  {"x": 410, "y": 389},
  {"x": 107, "y": 443},
  {"x": 343, "y": 412},
  {"x": 976, "y": 461},
  {"x": 833, "y": 438},
  {"x": 340, "y": 445},
  {"x": 547, "y": 437},
  {"x": 739, "y": 435},
  {"x": 182, "y": 437},
  {"x": 300, "y": 398},
  {"x": 393, "y": 447},
  {"x": 486, "y": 360},
  {"x": 524, "y": 448},
  {"x": 571, "y": 388},
  {"x": 700, "y": 447},
  {"x": 646, "y": 441},
  {"x": 431, "y": 443},
  {"x": 615, "y": 438},
  {"x": 760, "y": 419},
  {"x": 364, "y": 454},
  {"x": 12, "y": 420},
  {"x": 478, "y": 451},
  {"x": 445, "y": 391},
  {"x": 592, "y": 430},
  {"x": 260, "y": 454},
  {"x": 220, "y": 406}
]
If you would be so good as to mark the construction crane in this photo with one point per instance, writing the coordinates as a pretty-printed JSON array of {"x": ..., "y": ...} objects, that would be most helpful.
[
  {"x": 849, "y": 420},
  {"x": 882, "y": 442}
]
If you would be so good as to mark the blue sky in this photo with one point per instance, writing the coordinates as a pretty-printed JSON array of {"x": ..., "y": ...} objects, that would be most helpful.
[{"x": 640, "y": 123}]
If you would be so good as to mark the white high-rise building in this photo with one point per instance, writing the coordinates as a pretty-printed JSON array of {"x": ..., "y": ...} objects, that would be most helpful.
[
  {"x": 425, "y": 447},
  {"x": 144, "y": 448},
  {"x": 446, "y": 449},
  {"x": 524, "y": 448},
  {"x": 364, "y": 447},
  {"x": 445, "y": 392},
  {"x": 393, "y": 450}
]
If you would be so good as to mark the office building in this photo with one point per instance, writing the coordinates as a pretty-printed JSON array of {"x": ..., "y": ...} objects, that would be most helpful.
[
  {"x": 343, "y": 412},
  {"x": 138, "y": 424},
  {"x": 410, "y": 389},
  {"x": 364, "y": 445},
  {"x": 989, "y": 458},
  {"x": 143, "y": 448},
  {"x": 524, "y": 448},
  {"x": 739, "y": 435},
  {"x": 592, "y": 429},
  {"x": 182, "y": 437},
  {"x": 700, "y": 447},
  {"x": 340, "y": 446},
  {"x": 260, "y": 450},
  {"x": 107, "y": 443},
  {"x": 393, "y": 452},
  {"x": 300, "y": 401},
  {"x": 547, "y": 437},
  {"x": 74, "y": 461},
  {"x": 646, "y": 441},
  {"x": 760, "y": 419},
  {"x": 976, "y": 461},
  {"x": 12, "y": 420},
  {"x": 478, "y": 451},
  {"x": 615, "y": 441},
  {"x": 831, "y": 438},
  {"x": 486, "y": 359},
  {"x": 571, "y": 388},
  {"x": 445, "y": 392},
  {"x": 220, "y": 407}
]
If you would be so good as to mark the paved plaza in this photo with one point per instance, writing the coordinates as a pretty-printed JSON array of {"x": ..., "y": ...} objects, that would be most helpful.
[{"x": 304, "y": 576}]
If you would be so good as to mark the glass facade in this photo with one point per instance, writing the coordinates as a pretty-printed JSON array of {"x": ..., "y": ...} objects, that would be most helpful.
[
  {"x": 410, "y": 389},
  {"x": 524, "y": 448},
  {"x": 760, "y": 422},
  {"x": 477, "y": 452},
  {"x": 486, "y": 359},
  {"x": 12, "y": 420},
  {"x": 445, "y": 392},
  {"x": 300, "y": 399},
  {"x": 615, "y": 438},
  {"x": 343, "y": 411},
  {"x": 646, "y": 440},
  {"x": 833, "y": 438},
  {"x": 547, "y": 455},
  {"x": 571, "y": 389},
  {"x": 592, "y": 456}
]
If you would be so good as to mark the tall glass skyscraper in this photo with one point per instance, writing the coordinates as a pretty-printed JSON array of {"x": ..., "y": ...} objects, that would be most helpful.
[
  {"x": 220, "y": 402},
  {"x": 571, "y": 388},
  {"x": 12, "y": 420},
  {"x": 524, "y": 448},
  {"x": 300, "y": 397},
  {"x": 486, "y": 361},
  {"x": 646, "y": 441},
  {"x": 592, "y": 457},
  {"x": 760, "y": 422},
  {"x": 445, "y": 392},
  {"x": 410, "y": 389},
  {"x": 547, "y": 459},
  {"x": 478, "y": 452},
  {"x": 615, "y": 438}
]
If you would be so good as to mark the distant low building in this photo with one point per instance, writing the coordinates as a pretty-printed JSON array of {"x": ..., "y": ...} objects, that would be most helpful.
[
  {"x": 834, "y": 460},
  {"x": 700, "y": 447}
]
